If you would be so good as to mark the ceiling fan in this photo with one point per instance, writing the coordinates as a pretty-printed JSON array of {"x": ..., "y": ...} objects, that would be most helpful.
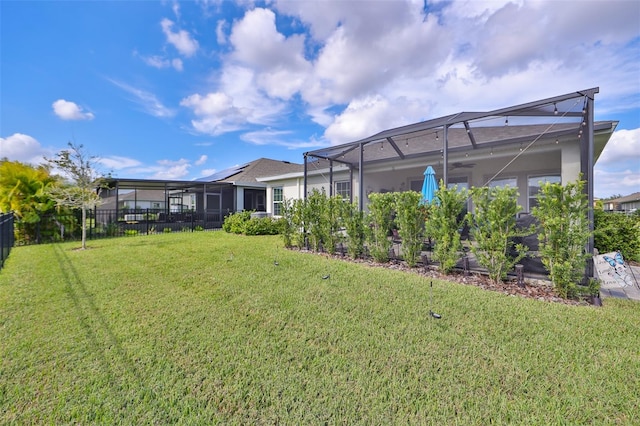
[{"x": 459, "y": 165}]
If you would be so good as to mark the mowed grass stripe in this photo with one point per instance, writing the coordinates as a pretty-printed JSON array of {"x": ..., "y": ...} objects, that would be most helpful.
[{"x": 205, "y": 328}]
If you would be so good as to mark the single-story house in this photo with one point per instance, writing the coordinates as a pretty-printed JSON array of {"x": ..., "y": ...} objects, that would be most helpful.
[
  {"x": 550, "y": 140},
  {"x": 203, "y": 202},
  {"x": 626, "y": 204}
]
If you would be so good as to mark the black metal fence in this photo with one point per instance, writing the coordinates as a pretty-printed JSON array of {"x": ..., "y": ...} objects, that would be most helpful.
[
  {"x": 6, "y": 236},
  {"x": 115, "y": 223}
]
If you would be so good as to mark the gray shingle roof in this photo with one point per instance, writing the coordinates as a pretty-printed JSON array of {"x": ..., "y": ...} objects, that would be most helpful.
[
  {"x": 628, "y": 198},
  {"x": 262, "y": 167}
]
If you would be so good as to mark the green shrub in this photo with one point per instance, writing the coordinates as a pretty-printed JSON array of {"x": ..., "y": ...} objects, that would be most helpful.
[
  {"x": 410, "y": 217},
  {"x": 198, "y": 228},
  {"x": 298, "y": 218},
  {"x": 130, "y": 232},
  {"x": 353, "y": 220},
  {"x": 316, "y": 218},
  {"x": 493, "y": 226},
  {"x": 380, "y": 221},
  {"x": 331, "y": 223},
  {"x": 288, "y": 226},
  {"x": 563, "y": 234},
  {"x": 167, "y": 230},
  {"x": 443, "y": 224},
  {"x": 235, "y": 222},
  {"x": 261, "y": 226},
  {"x": 617, "y": 232}
]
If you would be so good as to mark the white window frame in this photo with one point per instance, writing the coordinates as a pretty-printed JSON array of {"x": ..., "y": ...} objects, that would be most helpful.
[
  {"x": 277, "y": 203},
  {"x": 346, "y": 195},
  {"x": 540, "y": 177}
]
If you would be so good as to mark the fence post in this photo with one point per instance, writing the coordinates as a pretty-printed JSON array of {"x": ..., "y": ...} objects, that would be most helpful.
[
  {"x": 520, "y": 275},
  {"x": 7, "y": 237}
]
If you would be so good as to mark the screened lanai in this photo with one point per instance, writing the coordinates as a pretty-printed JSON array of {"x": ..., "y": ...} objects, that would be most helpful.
[
  {"x": 554, "y": 138},
  {"x": 141, "y": 203},
  {"x": 456, "y": 138}
]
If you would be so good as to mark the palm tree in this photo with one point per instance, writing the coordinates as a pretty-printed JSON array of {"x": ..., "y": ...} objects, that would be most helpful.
[{"x": 24, "y": 191}]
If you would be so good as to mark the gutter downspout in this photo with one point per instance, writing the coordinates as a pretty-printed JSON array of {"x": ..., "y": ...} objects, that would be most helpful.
[{"x": 360, "y": 178}]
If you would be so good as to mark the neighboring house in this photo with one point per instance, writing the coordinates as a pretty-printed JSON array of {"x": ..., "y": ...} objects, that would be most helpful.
[
  {"x": 249, "y": 192},
  {"x": 135, "y": 199},
  {"x": 205, "y": 201},
  {"x": 552, "y": 140},
  {"x": 627, "y": 204}
]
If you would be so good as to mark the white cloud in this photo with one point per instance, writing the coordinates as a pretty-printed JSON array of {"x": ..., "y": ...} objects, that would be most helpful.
[
  {"x": 168, "y": 169},
  {"x": 216, "y": 113},
  {"x": 211, "y": 104},
  {"x": 417, "y": 62},
  {"x": 277, "y": 60},
  {"x": 181, "y": 40},
  {"x": 67, "y": 110},
  {"x": 115, "y": 162},
  {"x": 237, "y": 105},
  {"x": 176, "y": 9},
  {"x": 279, "y": 138},
  {"x": 160, "y": 62},
  {"x": 366, "y": 116},
  {"x": 200, "y": 161},
  {"x": 23, "y": 148},
  {"x": 624, "y": 145},
  {"x": 207, "y": 172},
  {"x": 221, "y": 37},
  {"x": 148, "y": 101},
  {"x": 177, "y": 64},
  {"x": 618, "y": 168},
  {"x": 609, "y": 182}
]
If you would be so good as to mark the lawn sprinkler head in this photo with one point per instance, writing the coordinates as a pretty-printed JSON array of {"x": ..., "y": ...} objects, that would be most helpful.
[
  {"x": 275, "y": 262},
  {"x": 326, "y": 277},
  {"x": 434, "y": 315}
]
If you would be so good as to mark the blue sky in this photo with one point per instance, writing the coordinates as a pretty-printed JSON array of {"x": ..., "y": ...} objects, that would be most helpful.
[{"x": 179, "y": 90}]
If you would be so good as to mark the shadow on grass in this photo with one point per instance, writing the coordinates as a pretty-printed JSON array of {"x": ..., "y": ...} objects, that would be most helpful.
[{"x": 121, "y": 370}]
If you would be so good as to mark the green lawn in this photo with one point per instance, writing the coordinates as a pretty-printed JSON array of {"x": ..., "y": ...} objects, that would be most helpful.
[{"x": 202, "y": 328}]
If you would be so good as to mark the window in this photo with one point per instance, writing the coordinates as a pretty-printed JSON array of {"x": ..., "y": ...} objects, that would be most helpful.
[
  {"x": 534, "y": 184},
  {"x": 460, "y": 182},
  {"x": 343, "y": 189},
  {"x": 512, "y": 182},
  {"x": 277, "y": 201}
]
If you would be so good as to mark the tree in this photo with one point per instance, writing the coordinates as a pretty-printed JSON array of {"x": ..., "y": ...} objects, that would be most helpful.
[
  {"x": 23, "y": 190},
  {"x": 81, "y": 191}
]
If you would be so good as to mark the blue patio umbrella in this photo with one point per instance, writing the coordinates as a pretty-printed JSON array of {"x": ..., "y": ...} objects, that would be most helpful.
[{"x": 429, "y": 186}]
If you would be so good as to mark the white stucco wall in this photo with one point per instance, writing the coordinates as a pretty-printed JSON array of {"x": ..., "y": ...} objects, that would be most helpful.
[{"x": 563, "y": 159}]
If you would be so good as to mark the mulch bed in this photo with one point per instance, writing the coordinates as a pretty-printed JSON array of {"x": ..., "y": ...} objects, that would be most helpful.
[{"x": 541, "y": 290}]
